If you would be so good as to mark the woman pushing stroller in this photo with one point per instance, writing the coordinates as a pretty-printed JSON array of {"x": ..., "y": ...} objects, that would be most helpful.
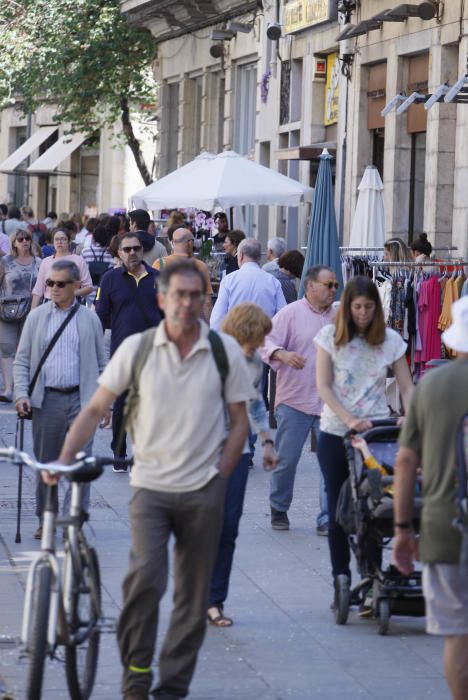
[{"x": 353, "y": 357}]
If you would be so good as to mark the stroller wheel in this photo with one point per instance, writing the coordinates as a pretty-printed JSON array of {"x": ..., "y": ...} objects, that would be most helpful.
[
  {"x": 342, "y": 596},
  {"x": 383, "y": 612}
]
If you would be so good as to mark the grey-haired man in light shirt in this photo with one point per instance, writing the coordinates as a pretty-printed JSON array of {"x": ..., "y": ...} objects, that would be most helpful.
[
  {"x": 69, "y": 375},
  {"x": 183, "y": 457}
]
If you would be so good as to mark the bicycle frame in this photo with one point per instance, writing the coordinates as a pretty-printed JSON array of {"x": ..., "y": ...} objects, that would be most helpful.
[{"x": 61, "y": 596}]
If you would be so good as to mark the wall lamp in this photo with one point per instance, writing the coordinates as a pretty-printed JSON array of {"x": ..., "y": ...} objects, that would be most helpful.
[
  {"x": 414, "y": 97},
  {"x": 273, "y": 31},
  {"x": 239, "y": 27},
  {"x": 401, "y": 97},
  {"x": 222, "y": 35}
]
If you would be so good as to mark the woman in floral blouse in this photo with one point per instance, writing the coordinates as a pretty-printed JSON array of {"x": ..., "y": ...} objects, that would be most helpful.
[{"x": 353, "y": 358}]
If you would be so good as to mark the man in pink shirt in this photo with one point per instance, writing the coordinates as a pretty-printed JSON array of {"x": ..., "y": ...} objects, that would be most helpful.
[{"x": 290, "y": 351}]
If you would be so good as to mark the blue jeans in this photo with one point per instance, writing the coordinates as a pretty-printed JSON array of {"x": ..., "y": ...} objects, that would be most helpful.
[
  {"x": 233, "y": 506},
  {"x": 293, "y": 430},
  {"x": 334, "y": 465}
]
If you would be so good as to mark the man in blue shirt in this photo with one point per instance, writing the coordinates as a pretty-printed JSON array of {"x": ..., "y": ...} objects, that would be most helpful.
[
  {"x": 249, "y": 283},
  {"x": 126, "y": 303}
]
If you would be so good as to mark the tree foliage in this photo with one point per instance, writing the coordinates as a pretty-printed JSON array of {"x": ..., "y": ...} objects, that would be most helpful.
[{"x": 80, "y": 55}]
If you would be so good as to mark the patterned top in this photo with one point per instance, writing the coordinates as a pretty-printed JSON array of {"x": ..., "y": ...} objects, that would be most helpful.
[
  {"x": 17, "y": 280},
  {"x": 62, "y": 367},
  {"x": 359, "y": 376}
]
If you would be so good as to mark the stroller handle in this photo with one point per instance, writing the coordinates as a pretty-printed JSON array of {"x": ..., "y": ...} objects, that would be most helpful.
[{"x": 390, "y": 422}]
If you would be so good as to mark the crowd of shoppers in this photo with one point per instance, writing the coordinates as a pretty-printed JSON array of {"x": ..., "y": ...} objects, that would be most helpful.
[{"x": 329, "y": 363}]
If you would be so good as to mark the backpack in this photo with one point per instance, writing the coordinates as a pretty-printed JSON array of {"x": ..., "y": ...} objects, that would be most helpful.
[
  {"x": 97, "y": 267},
  {"x": 38, "y": 232},
  {"x": 141, "y": 357}
]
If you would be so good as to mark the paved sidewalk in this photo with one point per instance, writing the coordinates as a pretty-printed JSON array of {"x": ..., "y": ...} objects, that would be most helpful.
[{"x": 284, "y": 644}]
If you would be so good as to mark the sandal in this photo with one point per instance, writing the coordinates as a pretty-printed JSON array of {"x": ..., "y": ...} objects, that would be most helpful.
[{"x": 217, "y": 618}]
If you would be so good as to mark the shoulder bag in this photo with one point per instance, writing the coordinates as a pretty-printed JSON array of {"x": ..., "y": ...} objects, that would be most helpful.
[{"x": 14, "y": 309}]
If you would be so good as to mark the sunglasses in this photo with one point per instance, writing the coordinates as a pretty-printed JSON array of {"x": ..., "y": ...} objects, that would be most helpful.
[
  {"x": 23, "y": 238},
  {"x": 131, "y": 248},
  {"x": 60, "y": 284},
  {"x": 330, "y": 285}
]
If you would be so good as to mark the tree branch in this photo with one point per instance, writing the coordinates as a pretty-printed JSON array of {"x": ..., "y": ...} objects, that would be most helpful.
[{"x": 133, "y": 142}]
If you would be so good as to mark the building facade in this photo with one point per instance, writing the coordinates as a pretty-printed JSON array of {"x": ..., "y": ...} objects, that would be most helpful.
[
  {"x": 281, "y": 101},
  {"x": 43, "y": 167}
]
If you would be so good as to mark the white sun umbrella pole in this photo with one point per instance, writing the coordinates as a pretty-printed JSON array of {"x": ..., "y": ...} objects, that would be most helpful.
[{"x": 368, "y": 228}]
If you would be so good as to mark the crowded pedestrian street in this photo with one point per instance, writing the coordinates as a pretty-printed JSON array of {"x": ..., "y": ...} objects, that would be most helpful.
[
  {"x": 233, "y": 350},
  {"x": 284, "y": 644}
]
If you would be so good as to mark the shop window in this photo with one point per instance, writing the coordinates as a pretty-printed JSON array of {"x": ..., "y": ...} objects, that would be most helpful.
[
  {"x": 417, "y": 181},
  {"x": 246, "y": 108},
  {"x": 291, "y": 91},
  {"x": 378, "y": 147}
]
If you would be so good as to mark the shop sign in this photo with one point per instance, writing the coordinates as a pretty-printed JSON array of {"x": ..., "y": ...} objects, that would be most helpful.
[
  {"x": 299, "y": 14},
  {"x": 332, "y": 87}
]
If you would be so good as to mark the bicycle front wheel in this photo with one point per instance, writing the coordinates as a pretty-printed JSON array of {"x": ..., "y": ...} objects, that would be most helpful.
[
  {"x": 37, "y": 636},
  {"x": 81, "y": 658}
]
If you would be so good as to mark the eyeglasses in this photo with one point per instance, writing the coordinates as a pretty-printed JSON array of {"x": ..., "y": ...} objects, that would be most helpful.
[
  {"x": 330, "y": 285},
  {"x": 60, "y": 240},
  {"x": 59, "y": 284},
  {"x": 131, "y": 248},
  {"x": 180, "y": 295},
  {"x": 23, "y": 238}
]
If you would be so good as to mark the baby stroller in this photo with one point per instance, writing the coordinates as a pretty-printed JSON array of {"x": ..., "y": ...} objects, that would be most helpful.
[{"x": 365, "y": 511}]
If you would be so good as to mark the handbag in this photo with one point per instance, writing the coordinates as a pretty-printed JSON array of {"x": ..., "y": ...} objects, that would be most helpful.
[
  {"x": 14, "y": 309},
  {"x": 47, "y": 351}
]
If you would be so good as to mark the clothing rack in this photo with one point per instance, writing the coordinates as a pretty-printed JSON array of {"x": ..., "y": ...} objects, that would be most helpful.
[
  {"x": 442, "y": 249},
  {"x": 431, "y": 263}
]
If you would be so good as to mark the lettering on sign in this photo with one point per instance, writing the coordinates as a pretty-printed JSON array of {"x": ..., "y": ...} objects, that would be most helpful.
[
  {"x": 299, "y": 14},
  {"x": 332, "y": 86}
]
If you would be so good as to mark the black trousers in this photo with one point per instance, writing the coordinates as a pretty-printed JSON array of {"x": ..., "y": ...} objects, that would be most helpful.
[{"x": 118, "y": 434}]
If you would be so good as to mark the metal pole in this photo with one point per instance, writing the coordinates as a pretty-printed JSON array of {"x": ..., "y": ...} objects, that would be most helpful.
[{"x": 19, "y": 443}]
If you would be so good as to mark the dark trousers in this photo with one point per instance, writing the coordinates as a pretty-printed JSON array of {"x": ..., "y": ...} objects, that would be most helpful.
[
  {"x": 118, "y": 434},
  {"x": 194, "y": 518},
  {"x": 50, "y": 425},
  {"x": 233, "y": 507},
  {"x": 334, "y": 465}
]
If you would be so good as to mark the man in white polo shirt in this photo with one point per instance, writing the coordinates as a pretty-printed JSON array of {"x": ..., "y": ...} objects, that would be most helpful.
[{"x": 183, "y": 456}]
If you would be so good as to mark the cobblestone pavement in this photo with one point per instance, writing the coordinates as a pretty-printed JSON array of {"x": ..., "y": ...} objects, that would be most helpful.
[{"x": 284, "y": 644}]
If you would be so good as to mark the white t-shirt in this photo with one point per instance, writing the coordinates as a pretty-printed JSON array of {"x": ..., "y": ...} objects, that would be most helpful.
[
  {"x": 179, "y": 426},
  {"x": 359, "y": 376}
]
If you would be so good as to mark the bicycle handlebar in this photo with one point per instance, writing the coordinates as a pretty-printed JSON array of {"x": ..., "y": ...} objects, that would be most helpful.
[{"x": 11, "y": 454}]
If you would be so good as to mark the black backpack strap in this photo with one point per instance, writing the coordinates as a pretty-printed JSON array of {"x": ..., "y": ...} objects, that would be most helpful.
[
  {"x": 131, "y": 402},
  {"x": 220, "y": 357},
  {"x": 50, "y": 346}
]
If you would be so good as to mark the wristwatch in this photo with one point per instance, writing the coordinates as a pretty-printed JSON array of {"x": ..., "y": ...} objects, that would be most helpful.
[
  {"x": 403, "y": 526},
  {"x": 268, "y": 441}
]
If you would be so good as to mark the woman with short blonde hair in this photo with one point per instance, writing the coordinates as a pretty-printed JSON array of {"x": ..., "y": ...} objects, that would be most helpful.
[{"x": 248, "y": 324}]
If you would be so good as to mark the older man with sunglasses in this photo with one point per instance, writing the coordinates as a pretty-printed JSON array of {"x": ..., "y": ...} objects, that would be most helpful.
[
  {"x": 290, "y": 351},
  {"x": 126, "y": 303},
  {"x": 66, "y": 377}
]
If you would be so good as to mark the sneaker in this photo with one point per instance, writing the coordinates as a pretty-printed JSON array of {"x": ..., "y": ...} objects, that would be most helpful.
[
  {"x": 279, "y": 519},
  {"x": 322, "y": 530},
  {"x": 119, "y": 468},
  {"x": 38, "y": 533}
]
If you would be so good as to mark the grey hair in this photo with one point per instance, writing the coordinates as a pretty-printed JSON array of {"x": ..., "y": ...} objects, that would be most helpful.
[
  {"x": 314, "y": 271},
  {"x": 251, "y": 248},
  {"x": 277, "y": 246},
  {"x": 68, "y": 265}
]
